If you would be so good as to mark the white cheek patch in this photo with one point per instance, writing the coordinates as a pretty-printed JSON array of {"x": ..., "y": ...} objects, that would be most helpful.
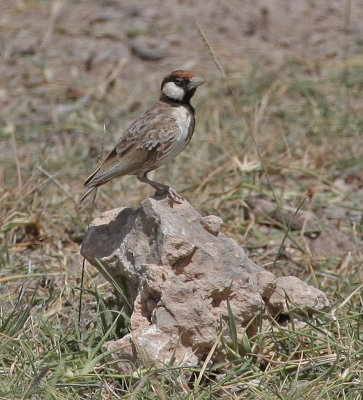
[{"x": 173, "y": 91}]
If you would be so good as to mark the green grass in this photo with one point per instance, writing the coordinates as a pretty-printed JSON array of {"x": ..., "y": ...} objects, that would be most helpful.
[
  {"x": 51, "y": 355},
  {"x": 285, "y": 131}
]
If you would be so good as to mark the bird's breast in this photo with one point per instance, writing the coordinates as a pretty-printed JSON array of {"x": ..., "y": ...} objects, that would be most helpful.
[{"x": 183, "y": 118}]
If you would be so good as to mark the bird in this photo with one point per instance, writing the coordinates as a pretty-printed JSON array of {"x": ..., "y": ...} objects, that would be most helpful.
[{"x": 154, "y": 138}]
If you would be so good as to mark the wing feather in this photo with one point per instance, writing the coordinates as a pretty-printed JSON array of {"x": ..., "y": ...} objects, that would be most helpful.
[{"x": 147, "y": 141}]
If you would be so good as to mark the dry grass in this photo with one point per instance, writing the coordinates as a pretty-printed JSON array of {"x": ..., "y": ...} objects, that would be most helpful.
[{"x": 289, "y": 132}]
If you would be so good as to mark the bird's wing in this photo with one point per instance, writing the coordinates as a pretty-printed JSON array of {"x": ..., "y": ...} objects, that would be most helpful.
[{"x": 148, "y": 139}]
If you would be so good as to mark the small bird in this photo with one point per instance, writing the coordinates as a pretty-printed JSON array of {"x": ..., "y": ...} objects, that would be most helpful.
[{"x": 154, "y": 138}]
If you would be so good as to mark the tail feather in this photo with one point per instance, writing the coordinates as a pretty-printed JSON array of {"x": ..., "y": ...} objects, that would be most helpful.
[
  {"x": 100, "y": 177},
  {"x": 88, "y": 192},
  {"x": 95, "y": 175},
  {"x": 90, "y": 178}
]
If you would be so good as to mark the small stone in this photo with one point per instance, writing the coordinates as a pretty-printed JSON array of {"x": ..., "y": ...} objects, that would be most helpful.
[
  {"x": 212, "y": 224},
  {"x": 146, "y": 52},
  {"x": 291, "y": 291}
]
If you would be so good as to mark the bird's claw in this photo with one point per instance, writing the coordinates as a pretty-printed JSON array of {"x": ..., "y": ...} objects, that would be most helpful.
[{"x": 173, "y": 195}]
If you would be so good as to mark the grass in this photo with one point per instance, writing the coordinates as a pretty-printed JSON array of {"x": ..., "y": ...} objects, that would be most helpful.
[{"x": 288, "y": 131}]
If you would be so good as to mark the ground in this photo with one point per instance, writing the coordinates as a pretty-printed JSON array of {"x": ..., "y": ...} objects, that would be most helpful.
[{"x": 280, "y": 119}]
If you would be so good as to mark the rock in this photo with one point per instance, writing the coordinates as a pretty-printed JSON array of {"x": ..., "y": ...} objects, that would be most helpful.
[
  {"x": 298, "y": 293},
  {"x": 146, "y": 52},
  {"x": 335, "y": 239},
  {"x": 321, "y": 224},
  {"x": 285, "y": 215},
  {"x": 332, "y": 241},
  {"x": 212, "y": 224},
  {"x": 180, "y": 272}
]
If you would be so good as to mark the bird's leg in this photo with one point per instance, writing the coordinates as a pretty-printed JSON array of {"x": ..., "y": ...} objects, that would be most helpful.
[{"x": 161, "y": 188}]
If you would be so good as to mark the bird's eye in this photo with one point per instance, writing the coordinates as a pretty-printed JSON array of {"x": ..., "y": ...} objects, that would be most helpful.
[{"x": 178, "y": 81}]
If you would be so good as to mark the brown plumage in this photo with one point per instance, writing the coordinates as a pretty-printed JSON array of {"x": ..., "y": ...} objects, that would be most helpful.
[{"x": 154, "y": 138}]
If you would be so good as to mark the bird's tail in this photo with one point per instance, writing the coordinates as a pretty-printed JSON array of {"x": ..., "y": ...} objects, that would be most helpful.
[{"x": 88, "y": 192}]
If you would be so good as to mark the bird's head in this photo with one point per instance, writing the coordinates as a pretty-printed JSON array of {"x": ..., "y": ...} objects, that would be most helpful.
[{"x": 179, "y": 86}]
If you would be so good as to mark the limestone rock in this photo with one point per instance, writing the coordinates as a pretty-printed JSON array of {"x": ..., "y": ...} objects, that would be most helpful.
[{"x": 180, "y": 271}]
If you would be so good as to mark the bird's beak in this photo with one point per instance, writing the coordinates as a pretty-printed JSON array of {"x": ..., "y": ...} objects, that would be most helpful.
[{"x": 195, "y": 82}]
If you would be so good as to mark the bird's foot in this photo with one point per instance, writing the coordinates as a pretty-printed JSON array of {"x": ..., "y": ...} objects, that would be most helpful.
[{"x": 173, "y": 195}]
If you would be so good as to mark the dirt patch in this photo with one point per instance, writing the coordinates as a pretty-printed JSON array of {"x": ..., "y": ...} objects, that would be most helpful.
[{"x": 82, "y": 42}]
